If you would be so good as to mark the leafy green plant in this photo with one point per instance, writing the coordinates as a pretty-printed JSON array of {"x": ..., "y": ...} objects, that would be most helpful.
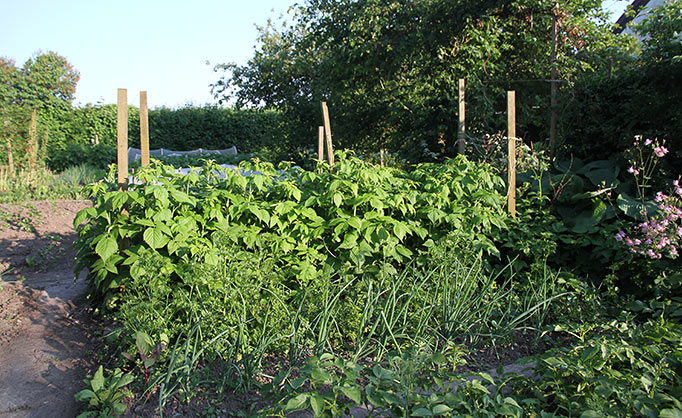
[
  {"x": 624, "y": 369},
  {"x": 104, "y": 394}
]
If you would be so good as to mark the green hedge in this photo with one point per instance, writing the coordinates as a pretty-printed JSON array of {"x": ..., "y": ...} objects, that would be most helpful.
[{"x": 71, "y": 132}]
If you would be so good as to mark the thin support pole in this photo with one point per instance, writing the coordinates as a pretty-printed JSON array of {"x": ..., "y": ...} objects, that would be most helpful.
[
  {"x": 122, "y": 138},
  {"x": 328, "y": 133},
  {"x": 144, "y": 129},
  {"x": 511, "y": 151},
  {"x": 320, "y": 144},
  {"x": 553, "y": 97},
  {"x": 461, "y": 130}
]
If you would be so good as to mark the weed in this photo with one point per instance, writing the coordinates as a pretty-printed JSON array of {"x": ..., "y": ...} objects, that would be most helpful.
[{"x": 104, "y": 394}]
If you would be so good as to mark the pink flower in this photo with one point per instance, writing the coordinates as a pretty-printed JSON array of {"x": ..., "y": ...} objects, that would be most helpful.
[
  {"x": 660, "y": 151},
  {"x": 673, "y": 251},
  {"x": 633, "y": 170},
  {"x": 620, "y": 236},
  {"x": 647, "y": 142}
]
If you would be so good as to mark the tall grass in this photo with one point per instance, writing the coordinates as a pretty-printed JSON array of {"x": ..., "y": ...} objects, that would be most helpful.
[{"x": 419, "y": 309}]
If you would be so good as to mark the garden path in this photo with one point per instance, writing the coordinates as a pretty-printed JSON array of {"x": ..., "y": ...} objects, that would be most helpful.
[{"x": 46, "y": 341}]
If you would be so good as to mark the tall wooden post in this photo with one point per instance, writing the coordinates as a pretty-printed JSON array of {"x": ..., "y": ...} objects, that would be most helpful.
[
  {"x": 10, "y": 157},
  {"x": 144, "y": 129},
  {"x": 32, "y": 142},
  {"x": 320, "y": 144},
  {"x": 461, "y": 147},
  {"x": 511, "y": 151},
  {"x": 122, "y": 138},
  {"x": 553, "y": 99},
  {"x": 328, "y": 133}
]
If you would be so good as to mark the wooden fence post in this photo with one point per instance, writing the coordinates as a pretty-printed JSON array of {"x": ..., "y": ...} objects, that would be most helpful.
[
  {"x": 553, "y": 98},
  {"x": 461, "y": 138},
  {"x": 122, "y": 138},
  {"x": 320, "y": 144},
  {"x": 511, "y": 151},
  {"x": 10, "y": 157},
  {"x": 144, "y": 130},
  {"x": 32, "y": 143},
  {"x": 328, "y": 132}
]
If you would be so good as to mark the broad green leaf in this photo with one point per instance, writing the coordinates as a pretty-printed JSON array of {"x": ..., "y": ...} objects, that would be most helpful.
[
  {"x": 106, "y": 247},
  {"x": 670, "y": 413},
  {"x": 354, "y": 222},
  {"x": 317, "y": 403},
  {"x": 155, "y": 238},
  {"x": 164, "y": 214},
  {"x": 297, "y": 403},
  {"x": 320, "y": 375},
  {"x": 421, "y": 412},
  {"x": 84, "y": 214},
  {"x": 349, "y": 241},
  {"x": 353, "y": 393},
  {"x": 97, "y": 381},
  {"x": 85, "y": 395},
  {"x": 635, "y": 208},
  {"x": 337, "y": 199},
  {"x": 118, "y": 408},
  {"x": 161, "y": 194},
  {"x": 143, "y": 342},
  {"x": 441, "y": 409}
]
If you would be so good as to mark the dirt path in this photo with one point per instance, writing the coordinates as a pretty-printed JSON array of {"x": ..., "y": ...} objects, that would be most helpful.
[{"x": 45, "y": 338}]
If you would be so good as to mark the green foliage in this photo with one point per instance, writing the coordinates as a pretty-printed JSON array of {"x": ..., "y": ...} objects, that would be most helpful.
[
  {"x": 605, "y": 111},
  {"x": 416, "y": 383},
  {"x": 390, "y": 70},
  {"x": 616, "y": 369},
  {"x": 357, "y": 216},
  {"x": 46, "y": 82},
  {"x": 625, "y": 370},
  {"x": 211, "y": 127},
  {"x": 104, "y": 394}
]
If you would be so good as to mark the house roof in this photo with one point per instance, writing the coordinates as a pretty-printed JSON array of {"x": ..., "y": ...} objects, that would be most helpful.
[{"x": 625, "y": 18}]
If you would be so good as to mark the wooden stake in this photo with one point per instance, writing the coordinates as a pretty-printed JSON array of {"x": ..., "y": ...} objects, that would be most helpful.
[
  {"x": 320, "y": 144},
  {"x": 10, "y": 157},
  {"x": 32, "y": 142},
  {"x": 328, "y": 133},
  {"x": 511, "y": 152},
  {"x": 381, "y": 157},
  {"x": 122, "y": 138},
  {"x": 553, "y": 99},
  {"x": 144, "y": 129},
  {"x": 461, "y": 141}
]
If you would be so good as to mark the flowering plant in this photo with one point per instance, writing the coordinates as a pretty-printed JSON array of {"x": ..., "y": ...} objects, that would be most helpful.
[
  {"x": 642, "y": 166},
  {"x": 660, "y": 234}
]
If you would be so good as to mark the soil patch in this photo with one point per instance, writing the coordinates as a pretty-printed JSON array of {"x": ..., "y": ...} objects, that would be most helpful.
[{"x": 45, "y": 324}]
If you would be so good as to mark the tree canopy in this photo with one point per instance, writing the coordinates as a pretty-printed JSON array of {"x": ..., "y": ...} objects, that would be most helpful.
[
  {"x": 46, "y": 81},
  {"x": 390, "y": 69}
]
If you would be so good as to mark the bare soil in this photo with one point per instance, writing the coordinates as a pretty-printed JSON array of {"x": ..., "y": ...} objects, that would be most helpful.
[{"x": 45, "y": 325}]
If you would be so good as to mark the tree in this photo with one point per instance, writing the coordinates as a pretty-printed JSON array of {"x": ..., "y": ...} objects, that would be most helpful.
[
  {"x": 390, "y": 68},
  {"x": 47, "y": 81}
]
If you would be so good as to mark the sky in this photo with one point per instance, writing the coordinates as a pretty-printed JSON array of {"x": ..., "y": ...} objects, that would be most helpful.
[
  {"x": 157, "y": 46},
  {"x": 161, "y": 47}
]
